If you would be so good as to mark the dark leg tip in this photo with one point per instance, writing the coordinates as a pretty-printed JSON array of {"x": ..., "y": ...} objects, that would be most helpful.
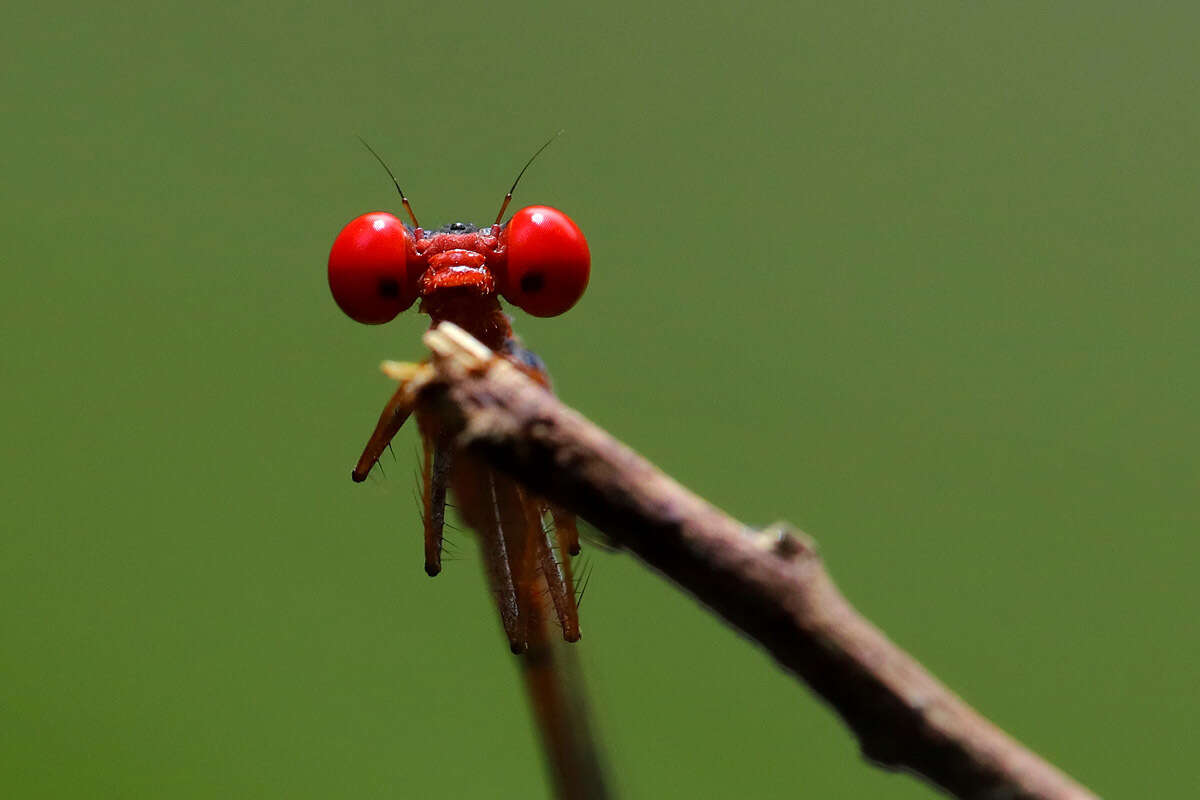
[
  {"x": 358, "y": 476},
  {"x": 433, "y": 569},
  {"x": 516, "y": 647}
]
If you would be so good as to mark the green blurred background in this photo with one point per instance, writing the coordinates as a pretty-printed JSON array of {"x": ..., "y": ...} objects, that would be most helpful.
[{"x": 920, "y": 278}]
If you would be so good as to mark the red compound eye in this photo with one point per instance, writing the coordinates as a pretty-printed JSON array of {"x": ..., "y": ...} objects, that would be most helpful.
[
  {"x": 547, "y": 263},
  {"x": 368, "y": 273}
]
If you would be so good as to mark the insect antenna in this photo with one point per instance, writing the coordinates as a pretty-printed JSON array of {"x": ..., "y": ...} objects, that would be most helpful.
[
  {"x": 513, "y": 188},
  {"x": 383, "y": 164}
]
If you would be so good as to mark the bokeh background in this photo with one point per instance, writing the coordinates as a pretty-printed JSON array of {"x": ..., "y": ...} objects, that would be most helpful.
[{"x": 920, "y": 278}]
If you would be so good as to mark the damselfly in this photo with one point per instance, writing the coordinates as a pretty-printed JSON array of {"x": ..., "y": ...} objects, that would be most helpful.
[{"x": 538, "y": 260}]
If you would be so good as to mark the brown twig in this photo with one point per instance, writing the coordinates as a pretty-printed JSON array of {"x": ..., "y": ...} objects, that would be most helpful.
[{"x": 769, "y": 584}]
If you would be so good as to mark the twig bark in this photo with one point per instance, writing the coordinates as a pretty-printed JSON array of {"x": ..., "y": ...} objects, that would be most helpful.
[{"x": 771, "y": 584}]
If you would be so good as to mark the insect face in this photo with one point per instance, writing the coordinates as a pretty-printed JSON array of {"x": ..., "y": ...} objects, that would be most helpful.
[{"x": 538, "y": 261}]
